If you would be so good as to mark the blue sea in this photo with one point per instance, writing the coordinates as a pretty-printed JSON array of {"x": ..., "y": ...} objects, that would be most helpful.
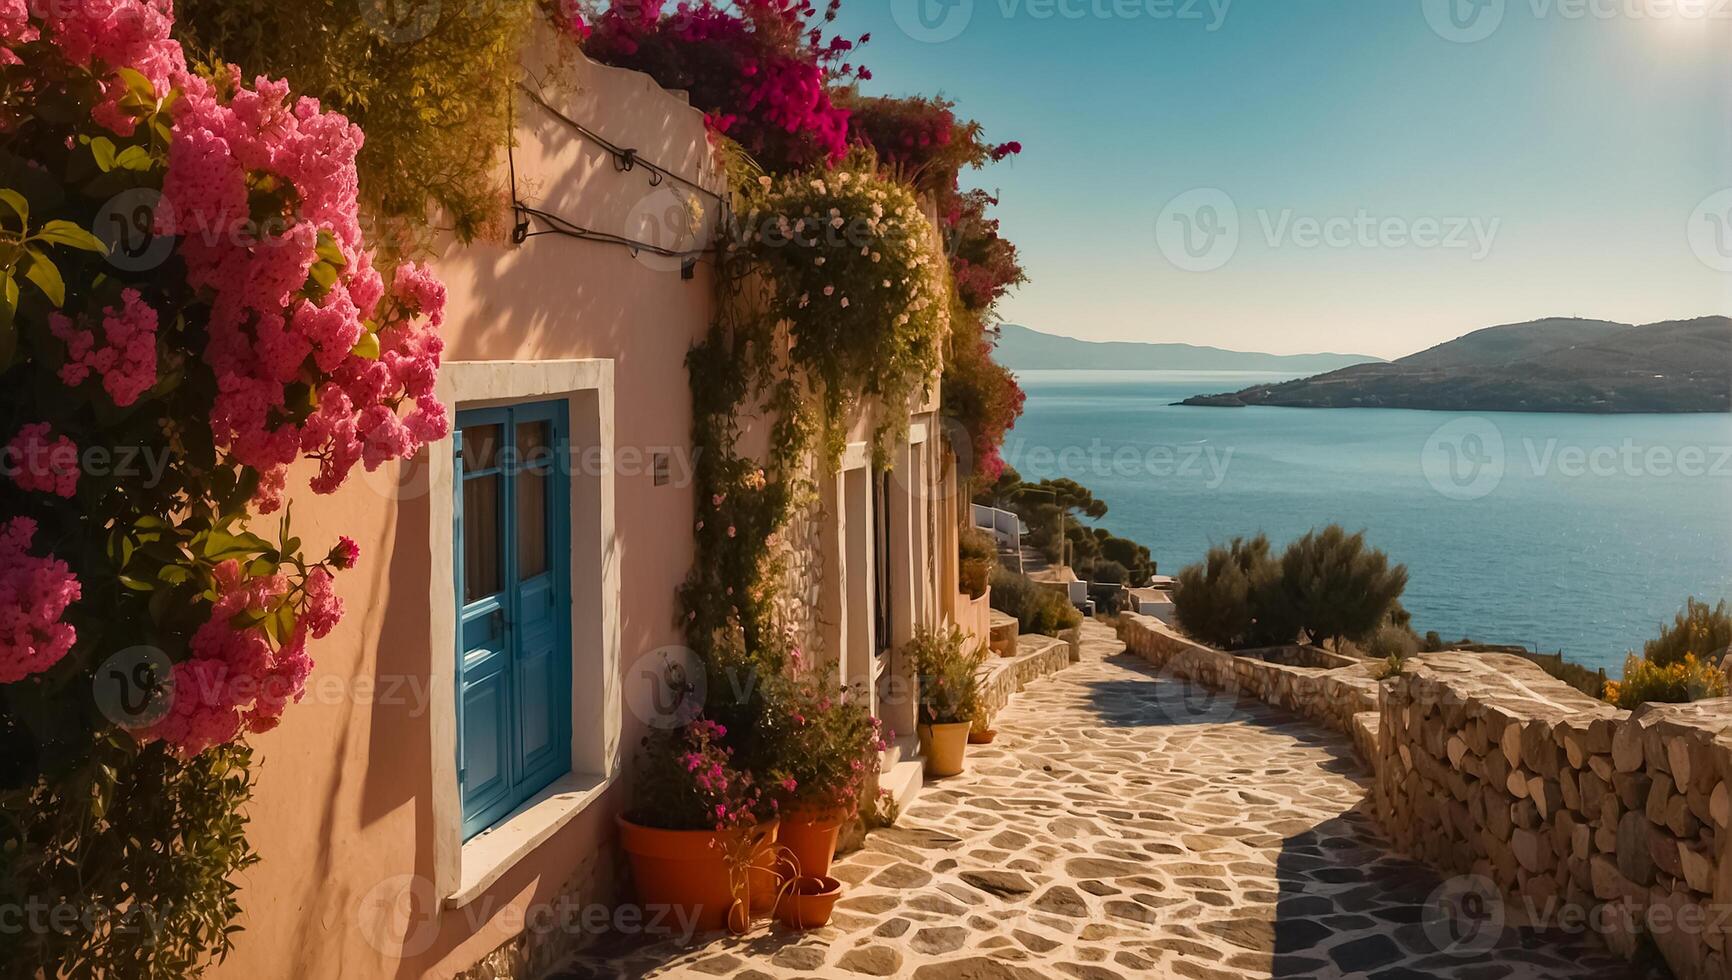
[{"x": 1578, "y": 533}]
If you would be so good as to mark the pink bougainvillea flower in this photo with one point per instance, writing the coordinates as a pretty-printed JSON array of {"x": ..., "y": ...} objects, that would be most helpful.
[
  {"x": 345, "y": 554},
  {"x": 269, "y": 316},
  {"x": 125, "y": 359},
  {"x": 34, "y": 594},
  {"x": 38, "y": 461}
]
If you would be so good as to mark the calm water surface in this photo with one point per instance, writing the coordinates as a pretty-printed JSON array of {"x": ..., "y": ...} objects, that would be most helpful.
[{"x": 1572, "y": 532}]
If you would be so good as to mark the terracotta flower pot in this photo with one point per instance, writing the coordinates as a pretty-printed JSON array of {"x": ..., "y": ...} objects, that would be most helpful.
[
  {"x": 811, "y": 836},
  {"x": 982, "y": 738},
  {"x": 809, "y": 902},
  {"x": 762, "y": 876},
  {"x": 686, "y": 870},
  {"x": 944, "y": 747}
]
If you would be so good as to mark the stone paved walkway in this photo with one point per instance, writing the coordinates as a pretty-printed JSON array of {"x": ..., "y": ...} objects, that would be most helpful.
[{"x": 1107, "y": 836}]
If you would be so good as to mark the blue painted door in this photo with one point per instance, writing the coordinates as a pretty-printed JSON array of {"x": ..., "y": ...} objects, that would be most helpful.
[{"x": 513, "y": 577}]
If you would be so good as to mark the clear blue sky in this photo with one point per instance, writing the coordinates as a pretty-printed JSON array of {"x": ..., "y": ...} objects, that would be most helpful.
[{"x": 1572, "y": 150}]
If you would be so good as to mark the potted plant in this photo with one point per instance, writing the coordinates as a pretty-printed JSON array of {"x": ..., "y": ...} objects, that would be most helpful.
[
  {"x": 949, "y": 692},
  {"x": 694, "y": 828},
  {"x": 830, "y": 752}
]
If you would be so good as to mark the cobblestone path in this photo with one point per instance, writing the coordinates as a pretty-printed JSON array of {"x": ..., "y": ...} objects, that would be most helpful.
[{"x": 1114, "y": 832}]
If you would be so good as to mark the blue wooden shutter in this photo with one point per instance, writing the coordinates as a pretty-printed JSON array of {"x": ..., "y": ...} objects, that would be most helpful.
[{"x": 513, "y": 575}]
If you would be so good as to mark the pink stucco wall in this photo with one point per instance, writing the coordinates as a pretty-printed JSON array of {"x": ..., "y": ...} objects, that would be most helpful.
[{"x": 342, "y": 809}]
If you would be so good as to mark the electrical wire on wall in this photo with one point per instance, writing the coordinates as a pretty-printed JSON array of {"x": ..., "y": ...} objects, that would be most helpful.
[{"x": 625, "y": 160}]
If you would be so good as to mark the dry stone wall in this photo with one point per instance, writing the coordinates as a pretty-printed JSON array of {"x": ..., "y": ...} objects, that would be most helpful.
[{"x": 1579, "y": 814}]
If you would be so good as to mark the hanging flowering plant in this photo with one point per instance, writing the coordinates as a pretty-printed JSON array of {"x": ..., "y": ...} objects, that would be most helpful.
[
  {"x": 760, "y": 69},
  {"x": 187, "y": 309},
  {"x": 858, "y": 279}
]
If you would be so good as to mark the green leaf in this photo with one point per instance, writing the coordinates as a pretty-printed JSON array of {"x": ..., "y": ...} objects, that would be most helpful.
[
  {"x": 17, "y": 203},
  {"x": 46, "y": 277},
  {"x": 368, "y": 347},
  {"x": 8, "y": 305},
  {"x": 137, "y": 84},
  {"x": 68, "y": 234},
  {"x": 102, "y": 148},
  {"x": 137, "y": 584},
  {"x": 324, "y": 274},
  {"x": 221, "y": 545},
  {"x": 133, "y": 158},
  {"x": 330, "y": 251}
]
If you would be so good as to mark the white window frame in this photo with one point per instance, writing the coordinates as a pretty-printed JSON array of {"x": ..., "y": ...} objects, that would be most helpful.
[{"x": 465, "y": 871}]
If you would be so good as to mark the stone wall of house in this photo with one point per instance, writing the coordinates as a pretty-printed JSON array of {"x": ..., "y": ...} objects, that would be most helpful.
[
  {"x": 799, "y": 550},
  {"x": 1575, "y": 811}
]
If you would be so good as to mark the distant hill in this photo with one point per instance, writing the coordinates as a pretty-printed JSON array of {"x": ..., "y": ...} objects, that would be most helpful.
[
  {"x": 1556, "y": 365},
  {"x": 1022, "y": 349}
]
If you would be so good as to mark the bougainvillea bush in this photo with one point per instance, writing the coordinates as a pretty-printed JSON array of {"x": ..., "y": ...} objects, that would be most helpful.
[
  {"x": 921, "y": 140},
  {"x": 188, "y": 310},
  {"x": 985, "y": 264},
  {"x": 858, "y": 279},
  {"x": 761, "y": 70}
]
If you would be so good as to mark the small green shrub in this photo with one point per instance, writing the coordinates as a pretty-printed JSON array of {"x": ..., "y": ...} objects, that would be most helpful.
[
  {"x": 979, "y": 556},
  {"x": 1230, "y": 599},
  {"x": 1038, "y": 609},
  {"x": 1337, "y": 588},
  {"x": 1392, "y": 642}
]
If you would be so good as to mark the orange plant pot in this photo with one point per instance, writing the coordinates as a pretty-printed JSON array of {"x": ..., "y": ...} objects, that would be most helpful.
[
  {"x": 944, "y": 747},
  {"x": 982, "y": 738},
  {"x": 811, "y": 836},
  {"x": 809, "y": 903},
  {"x": 762, "y": 876},
  {"x": 687, "y": 871}
]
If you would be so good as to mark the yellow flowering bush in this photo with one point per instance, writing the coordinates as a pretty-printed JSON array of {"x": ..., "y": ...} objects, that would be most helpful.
[{"x": 1689, "y": 679}]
